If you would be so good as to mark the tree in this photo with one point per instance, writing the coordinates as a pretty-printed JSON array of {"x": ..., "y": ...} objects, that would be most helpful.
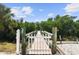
[
  {"x": 65, "y": 25},
  {"x": 76, "y": 25},
  {"x": 6, "y": 23},
  {"x": 47, "y": 25}
]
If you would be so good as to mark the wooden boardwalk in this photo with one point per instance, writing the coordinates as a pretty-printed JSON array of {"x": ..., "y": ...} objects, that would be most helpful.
[{"x": 39, "y": 46}]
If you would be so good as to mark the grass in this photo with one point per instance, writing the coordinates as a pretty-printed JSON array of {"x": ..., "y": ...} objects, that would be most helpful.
[{"x": 7, "y": 47}]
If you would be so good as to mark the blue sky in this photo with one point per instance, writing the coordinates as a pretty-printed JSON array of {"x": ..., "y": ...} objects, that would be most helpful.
[{"x": 33, "y": 12}]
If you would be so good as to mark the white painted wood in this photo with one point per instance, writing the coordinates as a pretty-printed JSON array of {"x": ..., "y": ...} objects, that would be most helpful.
[
  {"x": 18, "y": 42},
  {"x": 39, "y": 46}
]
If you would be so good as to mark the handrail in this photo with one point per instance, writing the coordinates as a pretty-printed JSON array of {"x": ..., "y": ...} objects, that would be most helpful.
[
  {"x": 60, "y": 51},
  {"x": 30, "y": 33},
  {"x": 47, "y": 32}
]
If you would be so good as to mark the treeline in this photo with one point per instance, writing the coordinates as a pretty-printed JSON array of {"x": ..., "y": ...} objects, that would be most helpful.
[{"x": 67, "y": 26}]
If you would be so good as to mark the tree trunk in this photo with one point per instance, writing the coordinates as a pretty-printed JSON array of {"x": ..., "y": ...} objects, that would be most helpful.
[{"x": 60, "y": 39}]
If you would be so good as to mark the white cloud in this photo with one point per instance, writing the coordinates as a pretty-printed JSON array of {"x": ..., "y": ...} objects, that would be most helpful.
[
  {"x": 21, "y": 11},
  {"x": 14, "y": 10},
  {"x": 50, "y": 15},
  {"x": 73, "y": 7},
  {"x": 67, "y": 13},
  {"x": 27, "y": 10},
  {"x": 41, "y": 10},
  {"x": 39, "y": 20}
]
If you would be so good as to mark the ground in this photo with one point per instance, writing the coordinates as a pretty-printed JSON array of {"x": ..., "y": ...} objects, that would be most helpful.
[
  {"x": 7, "y": 47},
  {"x": 69, "y": 49}
]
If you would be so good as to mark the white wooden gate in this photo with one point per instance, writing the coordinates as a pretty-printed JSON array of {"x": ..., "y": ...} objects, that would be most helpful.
[{"x": 40, "y": 44}]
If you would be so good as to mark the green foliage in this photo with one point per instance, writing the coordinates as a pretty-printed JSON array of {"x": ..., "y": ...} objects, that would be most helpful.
[
  {"x": 76, "y": 24},
  {"x": 7, "y": 31},
  {"x": 1, "y": 26},
  {"x": 47, "y": 25},
  {"x": 29, "y": 27}
]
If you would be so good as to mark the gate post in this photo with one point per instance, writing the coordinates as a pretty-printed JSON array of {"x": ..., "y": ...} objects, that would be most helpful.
[
  {"x": 54, "y": 40},
  {"x": 18, "y": 42},
  {"x": 23, "y": 48}
]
